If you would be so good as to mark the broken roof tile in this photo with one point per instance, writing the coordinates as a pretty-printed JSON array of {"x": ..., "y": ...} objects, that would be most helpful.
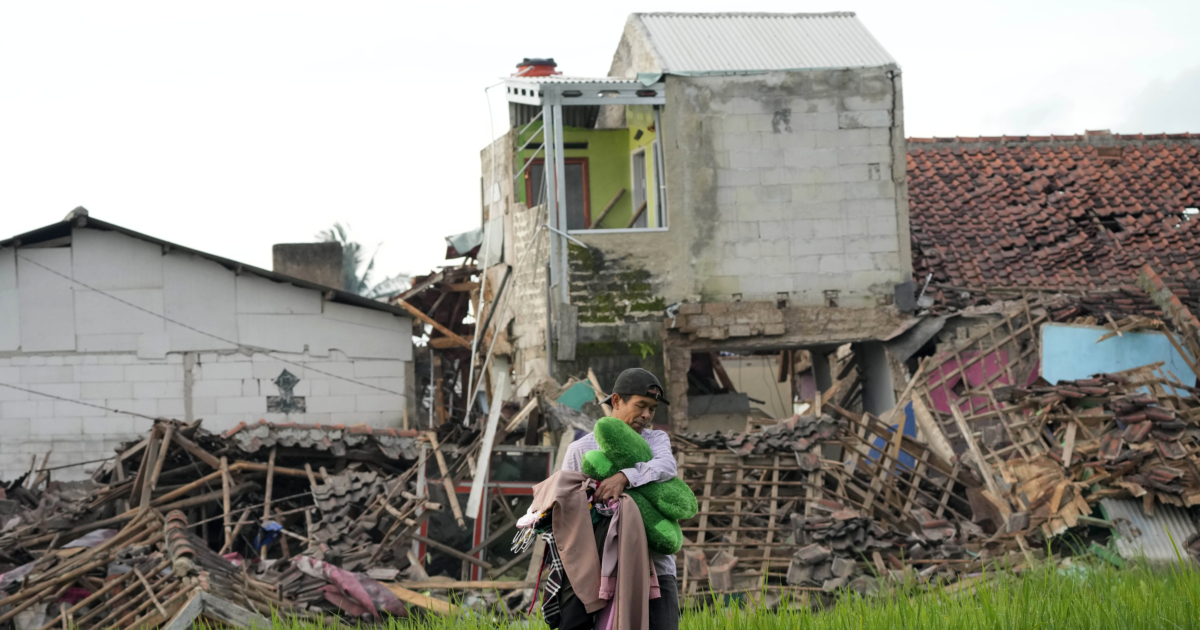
[{"x": 1071, "y": 214}]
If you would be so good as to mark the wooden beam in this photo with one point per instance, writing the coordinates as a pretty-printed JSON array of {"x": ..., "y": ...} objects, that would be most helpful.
[
  {"x": 436, "y": 326},
  {"x": 447, "y": 481},
  {"x": 439, "y": 583},
  {"x": 464, "y": 286},
  {"x": 722, "y": 375},
  {"x": 441, "y": 343},
  {"x": 194, "y": 449},
  {"x": 612, "y": 204},
  {"x": 440, "y": 606},
  {"x": 600, "y": 395},
  {"x": 637, "y": 215},
  {"x": 452, "y": 551},
  {"x": 421, "y": 286}
]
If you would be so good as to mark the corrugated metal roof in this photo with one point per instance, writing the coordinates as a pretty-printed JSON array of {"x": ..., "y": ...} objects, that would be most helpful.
[
  {"x": 1140, "y": 535},
  {"x": 558, "y": 78},
  {"x": 713, "y": 42}
]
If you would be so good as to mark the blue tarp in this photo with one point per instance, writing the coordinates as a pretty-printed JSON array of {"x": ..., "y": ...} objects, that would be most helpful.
[{"x": 910, "y": 429}]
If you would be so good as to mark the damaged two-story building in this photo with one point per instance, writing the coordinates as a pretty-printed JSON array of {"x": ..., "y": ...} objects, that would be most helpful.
[{"x": 736, "y": 185}]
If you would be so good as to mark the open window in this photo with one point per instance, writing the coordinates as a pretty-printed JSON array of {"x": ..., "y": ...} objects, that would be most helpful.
[
  {"x": 579, "y": 211},
  {"x": 640, "y": 199}
]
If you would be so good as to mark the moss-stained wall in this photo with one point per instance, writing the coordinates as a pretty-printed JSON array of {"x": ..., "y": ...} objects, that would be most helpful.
[{"x": 608, "y": 290}]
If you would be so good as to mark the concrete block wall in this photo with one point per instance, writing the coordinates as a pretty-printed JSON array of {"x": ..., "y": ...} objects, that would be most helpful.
[
  {"x": 222, "y": 389},
  {"x": 793, "y": 183}
]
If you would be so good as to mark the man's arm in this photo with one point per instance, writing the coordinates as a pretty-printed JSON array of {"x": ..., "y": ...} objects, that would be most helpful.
[
  {"x": 662, "y": 467},
  {"x": 573, "y": 461}
]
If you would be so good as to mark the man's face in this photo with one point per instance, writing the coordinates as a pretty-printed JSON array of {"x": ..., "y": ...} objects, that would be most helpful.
[{"x": 636, "y": 411}]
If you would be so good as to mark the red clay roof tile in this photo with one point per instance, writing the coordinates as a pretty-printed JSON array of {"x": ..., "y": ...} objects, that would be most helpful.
[{"x": 1051, "y": 211}]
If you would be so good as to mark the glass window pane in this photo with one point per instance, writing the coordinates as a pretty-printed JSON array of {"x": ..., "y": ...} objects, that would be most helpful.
[{"x": 576, "y": 197}]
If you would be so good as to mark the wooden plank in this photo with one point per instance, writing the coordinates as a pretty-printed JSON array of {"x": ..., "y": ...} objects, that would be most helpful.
[
  {"x": 737, "y": 505},
  {"x": 270, "y": 484},
  {"x": 447, "y": 481},
  {"x": 422, "y": 285},
  {"x": 931, "y": 431},
  {"x": 452, "y": 551},
  {"x": 441, "y": 343},
  {"x": 439, "y": 606},
  {"x": 705, "y": 506},
  {"x": 226, "y": 482},
  {"x": 766, "y": 564},
  {"x": 600, "y": 395},
  {"x": 1069, "y": 444},
  {"x": 521, "y": 415},
  {"x": 237, "y": 529},
  {"x": 150, "y": 591},
  {"x": 190, "y": 611},
  {"x": 722, "y": 375},
  {"x": 436, "y": 326},
  {"x": 607, "y": 209},
  {"x": 232, "y": 614},
  {"x": 637, "y": 214},
  {"x": 500, "y": 376},
  {"x": 446, "y": 584},
  {"x": 984, "y": 468},
  {"x": 196, "y": 450},
  {"x": 148, "y": 489}
]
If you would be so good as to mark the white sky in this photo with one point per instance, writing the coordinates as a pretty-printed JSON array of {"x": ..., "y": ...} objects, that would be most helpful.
[{"x": 230, "y": 126}]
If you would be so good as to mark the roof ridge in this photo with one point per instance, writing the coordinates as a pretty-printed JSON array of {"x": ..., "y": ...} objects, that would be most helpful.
[
  {"x": 1054, "y": 138},
  {"x": 765, "y": 14}
]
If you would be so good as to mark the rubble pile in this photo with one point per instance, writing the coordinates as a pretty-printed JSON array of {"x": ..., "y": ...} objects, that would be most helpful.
[
  {"x": 796, "y": 435},
  {"x": 240, "y": 522},
  {"x": 1134, "y": 434}
]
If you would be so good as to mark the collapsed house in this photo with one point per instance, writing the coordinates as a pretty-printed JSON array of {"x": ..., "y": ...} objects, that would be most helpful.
[{"x": 752, "y": 189}]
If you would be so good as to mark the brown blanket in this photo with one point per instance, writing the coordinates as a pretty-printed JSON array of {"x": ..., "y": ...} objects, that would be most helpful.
[{"x": 565, "y": 493}]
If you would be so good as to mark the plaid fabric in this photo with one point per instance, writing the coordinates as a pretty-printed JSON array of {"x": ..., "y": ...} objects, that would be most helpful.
[{"x": 551, "y": 611}]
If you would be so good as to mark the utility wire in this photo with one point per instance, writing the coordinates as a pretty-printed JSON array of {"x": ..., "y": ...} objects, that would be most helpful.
[
  {"x": 201, "y": 332},
  {"x": 78, "y": 402}
]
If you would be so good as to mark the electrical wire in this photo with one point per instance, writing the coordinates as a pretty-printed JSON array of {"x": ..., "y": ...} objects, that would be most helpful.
[
  {"x": 269, "y": 353},
  {"x": 78, "y": 402}
]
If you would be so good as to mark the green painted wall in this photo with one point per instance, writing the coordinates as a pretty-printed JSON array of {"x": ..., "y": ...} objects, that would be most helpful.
[{"x": 609, "y": 166}]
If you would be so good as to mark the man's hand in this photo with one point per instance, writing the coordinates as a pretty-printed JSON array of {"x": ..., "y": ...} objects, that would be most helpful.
[{"x": 611, "y": 488}]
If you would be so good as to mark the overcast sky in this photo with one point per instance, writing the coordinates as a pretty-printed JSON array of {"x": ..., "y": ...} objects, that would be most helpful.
[{"x": 230, "y": 126}]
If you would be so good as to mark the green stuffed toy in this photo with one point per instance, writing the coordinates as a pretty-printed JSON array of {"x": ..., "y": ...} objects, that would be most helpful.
[{"x": 662, "y": 504}]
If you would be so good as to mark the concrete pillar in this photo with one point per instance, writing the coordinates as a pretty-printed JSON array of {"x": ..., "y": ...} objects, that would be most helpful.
[{"x": 879, "y": 394}]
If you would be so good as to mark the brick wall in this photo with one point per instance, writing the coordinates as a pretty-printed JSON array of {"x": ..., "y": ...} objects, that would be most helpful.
[
  {"x": 531, "y": 250},
  {"x": 225, "y": 389}
]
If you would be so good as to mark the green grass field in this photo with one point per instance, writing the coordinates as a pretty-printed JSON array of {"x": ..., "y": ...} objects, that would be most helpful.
[{"x": 1084, "y": 597}]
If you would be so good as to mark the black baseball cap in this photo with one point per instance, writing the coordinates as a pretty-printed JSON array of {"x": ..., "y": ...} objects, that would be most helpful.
[{"x": 638, "y": 382}]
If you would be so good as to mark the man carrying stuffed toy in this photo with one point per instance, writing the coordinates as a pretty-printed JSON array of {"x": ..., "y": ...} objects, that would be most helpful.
[{"x": 636, "y": 395}]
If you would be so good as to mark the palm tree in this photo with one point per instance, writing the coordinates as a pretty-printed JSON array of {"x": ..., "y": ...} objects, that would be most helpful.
[{"x": 357, "y": 282}]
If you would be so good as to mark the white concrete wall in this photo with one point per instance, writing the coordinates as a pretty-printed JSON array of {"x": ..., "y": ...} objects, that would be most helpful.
[{"x": 61, "y": 338}]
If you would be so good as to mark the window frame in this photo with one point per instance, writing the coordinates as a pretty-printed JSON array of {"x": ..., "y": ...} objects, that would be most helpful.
[
  {"x": 587, "y": 185},
  {"x": 633, "y": 182}
]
